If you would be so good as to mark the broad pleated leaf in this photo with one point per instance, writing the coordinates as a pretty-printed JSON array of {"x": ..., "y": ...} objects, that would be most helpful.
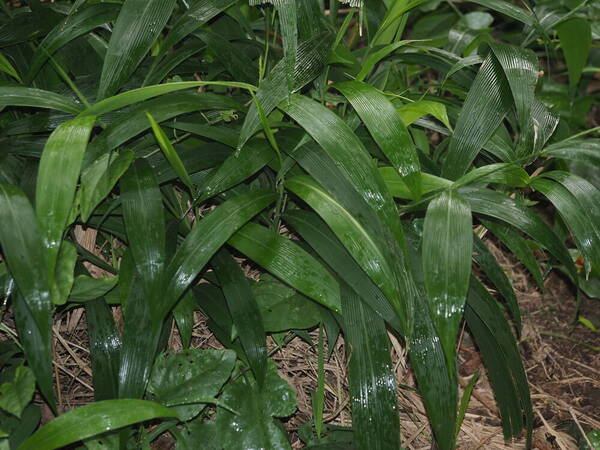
[
  {"x": 244, "y": 311},
  {"x": 312, "y": 56},
  {"x": 501, "y": 173},
  {"x": 144, "y": 220},
  {"x": 437, "y": 384},
  {"x": 575, "y": 37},
  {"x": 98, "y": 180},
  {"x": 518, "y": 246},
  {"x": 508, "y": 9},
  {"x": 486, "y": 105},
  {"x": 488, "y": 263},
  {"x": 76, "y": 24},
  {"x": 139, "y": 24},
  {"x": 7, "y": 67},
  {"x": 63, "y": 154},
  {"x": 576, "y": 217},
  {"x": 398, "y": 188},
  {"x": 207, "y": 237},
  {"x": 37, "y": 98},
  {"x": 314, "y": 231},
  {"x": 237, "y": 168},
  {"x": 580, "y": 150},
  {"x": 386, "y": 127},
  {"x": 375, "y": 418},
  {"x": 199, "y": 12},
  {"x": 105, "y": 345},
  {"x": 505, "y": 209},
  {"x": 183, "y": 313},
  {"x": 93, "y": 419},
  {"x": 23, "y": 251},
  {"x": 289, "y": 262},
  {"x": 447, "y": 247},
  {"x": 501, "y": 356},
  {"x": 358, "y": 241}
]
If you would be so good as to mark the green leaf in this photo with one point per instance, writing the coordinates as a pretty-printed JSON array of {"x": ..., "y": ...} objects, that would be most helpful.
[
  {"x": 508, "y": 9},
  {"x": 183, "y": 313},
  {"x": 316, "y": 233},
  {"x": 312, "y": 56},
  {"x": 99, "y": 179},
  {"x": 139, "y": 95},
  {"x": 486, "y": 105},
  {"x": 186, "y": 380},
  {"x": 283, "y": 308},
  {"x": 199, "y": 436},
  {"x": 16, "y": 394},
  {"x": 253, "y": 425},
  {"x": 198, "y": 13},
  {"x": 375, "y": 418},
  {"x": 410, "y": 112},
  {"x": 387, "y": 128},
  {"x": 586, "y": 151},
  {"x": 502, "y": 359},
  {"x": 513, "y": 212},
  {"x": 373, "y": 58},
  {"x": 93, "y": 419},
  {"x": 575, "y": 37},
  {"x": 576, "y": 217},
  {"x": 289, "y": 262},
  {"x": 77, "y": 23},
  {"x": 23, "y": 251},
  {"x": 54, "y": 199},
  {"x": 517, "y": 246},
  {"x": 398, "y": 187},
  {"x": 7, "y": 67},
  {"x": 338, "y": 140},
  {"x": 244, "y": 311},
  {"x": 37, "y": 98},
  {"x": 447, "y": 248},
  {"x": 139, "y": 23},
  {"x": 207, "y": 237},
  {"x": 488, "y": 263},
  {"x": 170, "y": 153},
  {"x": 86, "y": 288},
  {"x": 105, "y": 346},
  {"x": 64, "y": 278},
  {"x": 144, "y": 220},
  {"x": 501, "y": 173}
]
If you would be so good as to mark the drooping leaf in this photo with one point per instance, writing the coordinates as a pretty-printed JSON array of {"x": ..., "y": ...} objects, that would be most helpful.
[{"x": 37, "y": 98}]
